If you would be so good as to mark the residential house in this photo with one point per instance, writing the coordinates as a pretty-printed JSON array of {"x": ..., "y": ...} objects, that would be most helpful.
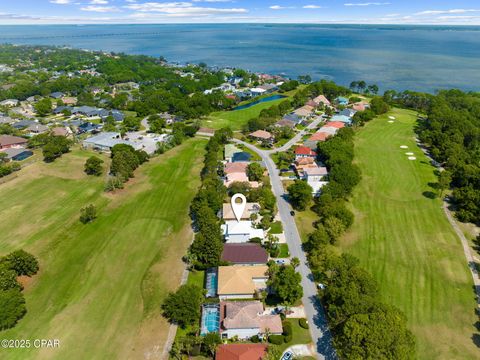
[
  {"x": 240, "y": 231},
  {"x": 9, "y": 141},
  {"x": 321, "y": 100},
  {"x": 269, "y": 88},
  {"x": 62, "y": 131},
  {"x": 105, "y": 142},
  {"x": 6, "y": 119},
  {"x": 315, "y": 177},
  {"x": 305, "y": 111},
  {"x": 244, "y": 319},
  {"x": 250, "y": 208},
  {"x": 57, "y": 95},
  {"x": 360, "y": 106},
  {"x": 244, "y": 254},
  {"x": 332, "y": 130},
  {"x": 241, "y": 352},
  {"x": 335, "y": 124},
  {"x": 342, "y": 101},
  {"x": 293, "y": 117},
  {"x": 36, "y": 128},
  {"x": 88, "y": 127},
  {"x": 241, "y": 282},
  {"x": 262, "y": 135},
  {"x": 22, "y": 124},
  {"x": 347, "y": 112},
  {"x": 285, "y": 123},
  {"x": 17, "y": 154},
  {"x": 69, "y": 100},
  {"x": 257, "y": 91},
  {"x": 9, "y": 102},
  {"x": 304, "y": 152},
  {"x": 342, "y": 118},
  {"x": 303, "y": 163}
]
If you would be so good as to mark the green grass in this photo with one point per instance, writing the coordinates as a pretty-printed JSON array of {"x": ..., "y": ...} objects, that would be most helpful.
[
  {"x": 276, "y": 228},
  {"x": 304, "y": 221},
  {"x": 196, "y": 278},
  {"x": 299, "y": 336},
  {"x": 100, "y": 285},
  {"x": 403, "y": 238},
  {"x": 284, "y": 253}
]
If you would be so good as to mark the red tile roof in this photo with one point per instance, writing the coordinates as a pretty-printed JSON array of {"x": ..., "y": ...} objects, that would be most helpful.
[
  {"x": 303, "y": 150},
  {"x": 336, "y": 124},
  {"x": 241, "y": 352},
  {"x": 244, "y": 254},
  {"x": 320, "y": 136}
]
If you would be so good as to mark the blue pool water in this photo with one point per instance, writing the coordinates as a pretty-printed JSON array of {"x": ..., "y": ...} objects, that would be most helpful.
[
  {"x": 262, "y": 100},
  {"x": 210, "y": 318},
  {"x": 211, "y": 282}
]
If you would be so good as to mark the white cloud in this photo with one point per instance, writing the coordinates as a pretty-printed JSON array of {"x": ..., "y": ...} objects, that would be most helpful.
[
  {"x": 213, "y": 1},
  {"x": 100, "y": 9},
  {"x": 60, "y": 2},
  {"x": 278, "y": 7},
  {"x": 99, "y": 2},
  {"x": 182, "y": 9},
  {"x": 312, "y": 7},
  {"x": 441, "y": 12},
  {"x": 367, "y": 4}
]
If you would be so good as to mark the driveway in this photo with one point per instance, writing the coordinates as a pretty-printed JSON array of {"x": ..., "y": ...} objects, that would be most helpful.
[{"x": 314, "y": 311}]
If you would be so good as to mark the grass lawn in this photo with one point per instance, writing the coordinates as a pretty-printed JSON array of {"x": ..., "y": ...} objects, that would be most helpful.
[
  {"x": 237, "y": 118},
  {"x": 284, "y": 253},
  {"x": 304, "y": 221},
  {"x": 403, "y": 238},
  {"x": 299, "y": 336},
  {"x": 276, "y": 228},
  {"x": 100, "y": 285},
  {"x": 196, "y": 278}
]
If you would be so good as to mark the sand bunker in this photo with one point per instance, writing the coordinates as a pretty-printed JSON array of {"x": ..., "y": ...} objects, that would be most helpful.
[
  {"x": 412, "y": 158},
  {"x": 391, "y": 117},
  {"x": 403, "y": 147},
  {"x": 391, "y": 121},
  {"x": 409, "y": 154}
]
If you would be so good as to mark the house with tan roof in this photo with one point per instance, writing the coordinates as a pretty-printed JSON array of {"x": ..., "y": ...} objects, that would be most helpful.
[
  {"x": 321, "y": 99},
  {"x": 245, "y": 319},
  {"x": 261, "y": 135},
  {"x": 304, "y": 111},
  {"x": 241, "y": 282},
  {"x": 250, "y": 208}
]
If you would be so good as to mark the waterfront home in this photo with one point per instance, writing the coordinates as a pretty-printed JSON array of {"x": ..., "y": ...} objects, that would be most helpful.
[
  {"x": 241, "y": 352},
  {"x": 304, "y": 152},
  {"x": 293, "y": 117},
  {"x": 9, "y": 141},
  {"x": 244, "y": 319},
  {"x": 240, "y": 231},
  {"x": 250, "y": 209},
  {"x": 321, "y": 100},
  {"x": 241, "y": 282},
  {"x": 304, "y": 112},
  {"x": 17, "y": 154},
  {"x": 244, "y": 254},
  {"x": 342, "y": 101},
  {"x": 257, "y": 91},
  {"x": 105, "y": 141}
]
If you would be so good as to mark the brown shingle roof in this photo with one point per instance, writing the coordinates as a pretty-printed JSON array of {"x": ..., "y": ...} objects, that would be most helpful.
[
  {"x": 8, "y": 140},
  {"x": 241, "y": 352},
  {"x": 244, "y": 254},
  {"x": 247, "y": 315}
]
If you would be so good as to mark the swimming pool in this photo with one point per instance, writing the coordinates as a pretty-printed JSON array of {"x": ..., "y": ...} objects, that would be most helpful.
[
  {"x": 210, "y": 318},
  {"x": 262, "y": 100},
  {"x": 211, "y": 282}
]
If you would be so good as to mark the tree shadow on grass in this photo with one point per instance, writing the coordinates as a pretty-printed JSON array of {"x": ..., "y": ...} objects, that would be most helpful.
[{"x": 429, "y": 194}]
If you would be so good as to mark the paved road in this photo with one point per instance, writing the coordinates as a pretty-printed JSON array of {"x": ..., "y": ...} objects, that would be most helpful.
[
  {"x": 313, "y": 308},
  {"x": 466, "y": 251}
]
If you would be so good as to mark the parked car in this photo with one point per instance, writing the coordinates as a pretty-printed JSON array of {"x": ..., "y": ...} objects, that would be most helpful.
[
  {"x": 292, "y": 213},
  {"x": 287, "y": 356},
  {"x": 280, "y": 262}
]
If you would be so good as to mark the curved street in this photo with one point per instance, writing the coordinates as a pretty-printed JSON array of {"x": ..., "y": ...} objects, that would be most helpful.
[{"x": 313, "y": 308}]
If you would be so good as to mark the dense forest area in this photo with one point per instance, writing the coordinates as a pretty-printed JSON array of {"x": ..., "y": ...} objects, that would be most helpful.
[{"x": 451, "y": 131}]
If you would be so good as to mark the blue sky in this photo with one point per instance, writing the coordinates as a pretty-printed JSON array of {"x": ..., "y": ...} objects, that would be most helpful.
[{"x": 462, "y": 12}]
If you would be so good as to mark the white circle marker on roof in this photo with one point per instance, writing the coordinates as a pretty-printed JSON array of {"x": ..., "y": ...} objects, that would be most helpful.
[{"x": 238, "y": 207}]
